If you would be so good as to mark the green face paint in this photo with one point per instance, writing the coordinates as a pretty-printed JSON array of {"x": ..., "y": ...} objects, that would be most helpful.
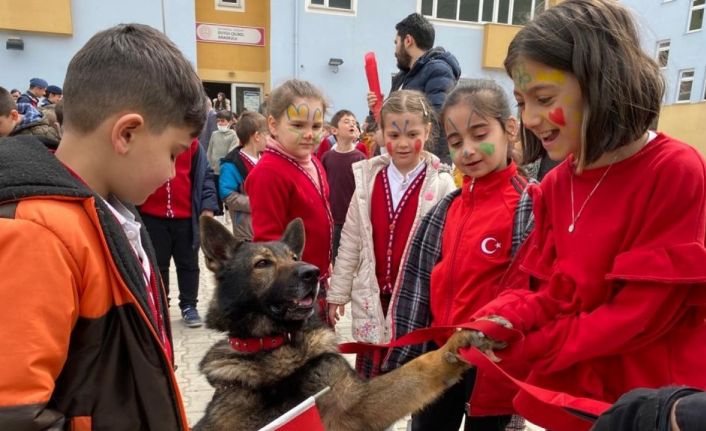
[
  {"x": 297, "y": 133},
  {"x": 487, "y": 148},
  {"x": 452, "y": 153},
  {"x": 521, "y": 77}
]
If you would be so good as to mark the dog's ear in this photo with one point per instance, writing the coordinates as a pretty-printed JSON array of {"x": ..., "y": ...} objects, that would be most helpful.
[
  {"x": 294, "y": 236},
  {"x": 217, "y": 243}
]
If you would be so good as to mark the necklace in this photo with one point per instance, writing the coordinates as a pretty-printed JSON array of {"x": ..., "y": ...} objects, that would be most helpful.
[{"x": 575, "y": 217}]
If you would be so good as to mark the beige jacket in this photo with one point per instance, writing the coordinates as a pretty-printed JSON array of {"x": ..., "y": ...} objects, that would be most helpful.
[{"x": 353, "y": 278}]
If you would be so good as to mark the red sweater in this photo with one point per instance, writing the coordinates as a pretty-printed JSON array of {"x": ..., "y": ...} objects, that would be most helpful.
[
  {"x": 391, "y": 228},
  {"x": 173, "y": 198},
  {"x": 475, "y": 253},
  {"x": 281, "y": 191},
  {"x": 619, "y": 303}
]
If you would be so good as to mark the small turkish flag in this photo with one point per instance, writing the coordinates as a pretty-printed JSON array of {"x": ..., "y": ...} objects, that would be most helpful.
[{"x": 305, "y": 416}]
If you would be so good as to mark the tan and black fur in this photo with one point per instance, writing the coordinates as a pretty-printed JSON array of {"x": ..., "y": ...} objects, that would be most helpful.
[{"x": 264, "y": 289}]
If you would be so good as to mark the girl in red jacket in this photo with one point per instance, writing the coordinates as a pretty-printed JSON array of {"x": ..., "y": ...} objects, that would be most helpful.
[
  {"x": 473, "y": 241},
  {"x": 609, "y": 290},
  {"x": 288, "y": 182}
]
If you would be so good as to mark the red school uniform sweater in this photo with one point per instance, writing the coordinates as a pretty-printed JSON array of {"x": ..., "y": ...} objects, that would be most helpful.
[
  {"x": 475, "y": 253},
  {"x": 280, "y": 191},
  {"x": 620, "y": 302},
  {"x": 391, "y": 228},
  {"x": 173, "y": 198}
]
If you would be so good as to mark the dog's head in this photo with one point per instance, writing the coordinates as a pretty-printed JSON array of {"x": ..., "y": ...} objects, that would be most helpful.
[{"x": 262, "y": 288}]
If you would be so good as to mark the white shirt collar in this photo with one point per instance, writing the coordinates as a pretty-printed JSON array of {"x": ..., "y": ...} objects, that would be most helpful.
[
  {"x": 252, "y": 159},
  {"x": 131, "y": 227},
  {"x": 399, "y": 182}
]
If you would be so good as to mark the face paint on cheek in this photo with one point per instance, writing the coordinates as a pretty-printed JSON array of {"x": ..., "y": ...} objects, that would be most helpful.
[
  {"x": 418, "y": 146},
  {"x": 487, "y": 148},
  {"x": 452, "y": 154},
  {"x": 296, "y": 133},
  {"x": 389, "y": 147},
  {"x": 557, "y": 117}
]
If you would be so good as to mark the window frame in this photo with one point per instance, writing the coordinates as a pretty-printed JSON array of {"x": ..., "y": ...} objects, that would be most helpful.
[
  {"x": 481, "y": 3},
  {"x": 229, "y": 6},
  {"x": 661, "y": 49},
  {"x": 693, "y": 8},
  {"x": 681, "y": 80},
  {"x": 325, "y": 8}
]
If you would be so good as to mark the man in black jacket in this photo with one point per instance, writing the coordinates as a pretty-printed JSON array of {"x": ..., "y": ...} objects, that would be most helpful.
[{"x": 423, "y": 67}]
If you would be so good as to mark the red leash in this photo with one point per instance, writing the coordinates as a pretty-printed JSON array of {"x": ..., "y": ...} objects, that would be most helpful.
[{"x": 584, "y": 408}]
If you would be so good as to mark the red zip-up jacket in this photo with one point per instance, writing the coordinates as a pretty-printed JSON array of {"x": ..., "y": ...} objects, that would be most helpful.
[{"x": 475, "y": 252}]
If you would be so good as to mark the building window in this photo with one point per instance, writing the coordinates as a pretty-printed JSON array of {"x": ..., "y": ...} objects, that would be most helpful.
[
  {"x": 231, "y": 5},
  {"x": 663, "y": 53},
  {"x": 333, "y": 4},
  {"x": 517, "y": 12},
  {"x": 686, "y": 82},
  {"x": 696, "y": 16}
]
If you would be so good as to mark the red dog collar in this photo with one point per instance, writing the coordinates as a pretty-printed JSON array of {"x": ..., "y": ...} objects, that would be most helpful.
[{"x": 254, "y": 345}]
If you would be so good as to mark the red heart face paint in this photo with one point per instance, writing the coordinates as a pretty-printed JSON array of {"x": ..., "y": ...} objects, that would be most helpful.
[
  {"x": 389, "y": 147},
  {"x": 557, "y": 117},
  {"x": 418, "y": 146}
]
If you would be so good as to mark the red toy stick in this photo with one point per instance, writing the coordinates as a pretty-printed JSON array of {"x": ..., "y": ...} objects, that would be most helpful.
[{"x": 371, "y": 71}]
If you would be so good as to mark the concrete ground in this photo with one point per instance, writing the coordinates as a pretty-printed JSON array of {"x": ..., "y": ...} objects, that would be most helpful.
[{"x": 190, "y": 345}]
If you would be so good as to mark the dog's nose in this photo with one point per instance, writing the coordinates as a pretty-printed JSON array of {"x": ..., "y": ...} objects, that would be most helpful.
[{"x": 308, "y": 273}]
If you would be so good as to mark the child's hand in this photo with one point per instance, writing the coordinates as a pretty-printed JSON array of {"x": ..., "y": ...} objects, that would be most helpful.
[
  {"x": 207, "y": 213},
  {"x": 335, "y": 312}
]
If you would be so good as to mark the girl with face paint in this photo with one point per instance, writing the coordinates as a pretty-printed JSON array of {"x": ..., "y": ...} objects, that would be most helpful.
[
  {"x": 468, "y": 240},
  {"x": 607, "y": 292},
  {"x": 289, "y": 183},
  {"x": 393, "y": 192}
]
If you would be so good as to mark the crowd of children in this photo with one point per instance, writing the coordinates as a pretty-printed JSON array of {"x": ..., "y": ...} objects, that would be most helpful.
[{"x": 599, "y": 268}]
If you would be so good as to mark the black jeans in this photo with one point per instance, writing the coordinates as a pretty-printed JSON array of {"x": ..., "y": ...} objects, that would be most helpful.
[
  {"x": 173, "y": 238},
  {"x": 446, "y": 412}
]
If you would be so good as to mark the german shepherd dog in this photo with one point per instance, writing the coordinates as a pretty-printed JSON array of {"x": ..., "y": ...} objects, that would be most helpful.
[{"x": 264, "y": 300}]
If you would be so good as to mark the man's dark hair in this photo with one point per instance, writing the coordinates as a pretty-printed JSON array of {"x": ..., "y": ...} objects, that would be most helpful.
[
  {"x": 7, "y": 103},
  {"x": 133, "y": 67},
  {"x": 224, "y": 115},
  {"x": 338, "y": 115},
  {"x": 421, "y": 30},
  {"x": 249, "y": 124}
]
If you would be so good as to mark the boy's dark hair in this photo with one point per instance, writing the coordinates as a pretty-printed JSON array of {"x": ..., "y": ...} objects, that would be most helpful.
[
  {"x": 338, "y": 115},
  {"x": 621, "y": 85},
  {"x": 224, "y": 115},
  {"x": 133, "y": 67},
  {"x": 249, "y": 124},
  {"x": 419, "y": 28},
  {"x": 7, "y": 103},
  {"x": 284, "y": 95},
  {"x": 59, "y": 109}
]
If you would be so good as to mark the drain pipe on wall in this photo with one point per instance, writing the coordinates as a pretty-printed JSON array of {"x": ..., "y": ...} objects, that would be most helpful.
[{"x": 296, "y": 38}]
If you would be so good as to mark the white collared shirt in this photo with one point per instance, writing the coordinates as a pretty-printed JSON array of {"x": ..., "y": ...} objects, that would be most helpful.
[
  {"x": 131, "y": 227},
  {"x": 251, "y": 158},
  {"x": 399, "y": 183}
]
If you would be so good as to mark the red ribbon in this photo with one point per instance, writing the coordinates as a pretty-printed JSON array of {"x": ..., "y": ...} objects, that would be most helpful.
[{"x": 584, "y": 408}]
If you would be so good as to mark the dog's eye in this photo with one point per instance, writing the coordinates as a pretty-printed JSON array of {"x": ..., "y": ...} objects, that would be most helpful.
[{"x": 263, "y": 263}]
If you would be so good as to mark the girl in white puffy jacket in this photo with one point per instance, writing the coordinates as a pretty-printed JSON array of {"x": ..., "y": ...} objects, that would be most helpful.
[{"x": 393, "y": 192}]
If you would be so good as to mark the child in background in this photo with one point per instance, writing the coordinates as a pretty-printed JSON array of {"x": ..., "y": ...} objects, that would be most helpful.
[
  {"x": 171, "y": 216},
  {"x": 467, "y": 240},
  {"x": 222, "y": 142},
  {"x": 86, "y": 339},
  {"x": 235, "y": 167},
  {"x": 337, "y": 163},
  {"x": 392, "y": 194},
  {"x": 288, "y": 182},
  {"x": 608, "y": 290}
]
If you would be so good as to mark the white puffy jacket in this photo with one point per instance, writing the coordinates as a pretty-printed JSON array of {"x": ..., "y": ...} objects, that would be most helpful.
[{"x": 353, "y": 278}]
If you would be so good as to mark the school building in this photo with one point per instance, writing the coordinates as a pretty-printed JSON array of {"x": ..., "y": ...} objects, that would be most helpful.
[{"x": 245, "y": 47}]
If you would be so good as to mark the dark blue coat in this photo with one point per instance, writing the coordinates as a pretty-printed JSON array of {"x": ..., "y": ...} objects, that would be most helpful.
[
  {"x": 203, "y": 191},
  {"x": 435, "y": 73}
]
